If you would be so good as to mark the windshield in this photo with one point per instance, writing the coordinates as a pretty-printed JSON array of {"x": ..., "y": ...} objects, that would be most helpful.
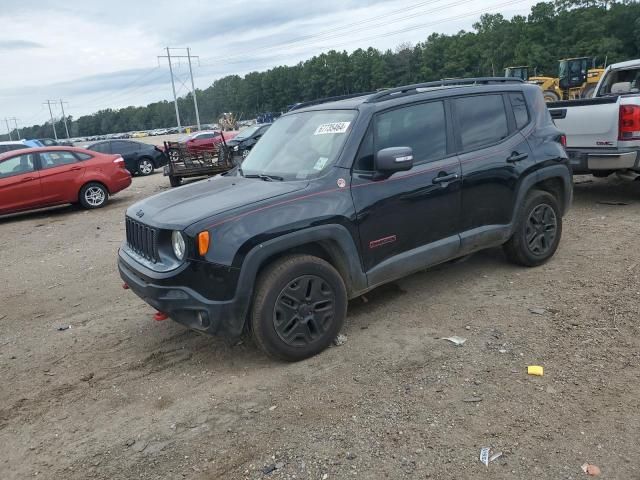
[
  {"x": 247, "y": 132},
  {"x": 300, "y": 145},
  {"x": 619, "y": 82}
]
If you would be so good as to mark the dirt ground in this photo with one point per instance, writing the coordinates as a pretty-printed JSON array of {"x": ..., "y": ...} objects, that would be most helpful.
[{"x": 120, "y": 396}]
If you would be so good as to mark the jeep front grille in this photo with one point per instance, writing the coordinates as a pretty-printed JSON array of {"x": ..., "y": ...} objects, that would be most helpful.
[{"x": 142, "y": 239}]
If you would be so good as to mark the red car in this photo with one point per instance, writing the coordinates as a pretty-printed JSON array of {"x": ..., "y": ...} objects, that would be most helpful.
[
  {"x": 206, "y": 140},
  {"x": 42, "y": 177}
]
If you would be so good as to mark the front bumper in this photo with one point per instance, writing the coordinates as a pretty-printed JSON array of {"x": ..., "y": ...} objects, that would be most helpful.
[
  {"x": 590, "y": 160},
  {"x": 183, "y": 303}
]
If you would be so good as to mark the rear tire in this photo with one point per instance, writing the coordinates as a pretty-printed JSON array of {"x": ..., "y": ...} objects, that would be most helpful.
[
  {"x": 299, "y": 307},
  {"x": 550, "y": 96},
  {"x": 175, "y": 181},
  {"x": 145, "y": 167},
  {"x": 93, "y": 195},
  {"x": 538, "y": 230}
]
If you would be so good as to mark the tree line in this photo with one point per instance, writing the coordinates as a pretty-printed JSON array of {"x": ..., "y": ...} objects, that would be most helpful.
[{"x": 606, "y": 30}]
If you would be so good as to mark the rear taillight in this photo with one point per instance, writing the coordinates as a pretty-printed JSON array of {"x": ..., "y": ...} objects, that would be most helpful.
[
  {"x": 562, "y": 140},
  {"x": 629, "y": 125},
  {"x": 119, "y": 161}
]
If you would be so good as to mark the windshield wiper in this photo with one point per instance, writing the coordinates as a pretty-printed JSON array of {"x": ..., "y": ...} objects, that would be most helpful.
[{"x": 265, "y": 177}]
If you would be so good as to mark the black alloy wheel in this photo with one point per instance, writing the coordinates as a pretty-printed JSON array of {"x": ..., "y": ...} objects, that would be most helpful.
[
  {"x": 541, "y": 229},
  {"x": 304, "y": 310}
]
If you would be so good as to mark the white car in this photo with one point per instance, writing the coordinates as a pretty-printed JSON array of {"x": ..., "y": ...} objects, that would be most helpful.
[
  {"x": 603, "y": 132},
  {"x": 8, "y": 146}
]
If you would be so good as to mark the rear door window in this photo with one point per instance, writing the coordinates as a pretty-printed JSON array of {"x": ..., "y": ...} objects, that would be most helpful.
[
  {"x": 104, "y": 147},
  {"x": 56, "y": 159},
  {"x": 520, "y": 112},
  {"x": 420, "y": 126},
  {"x": 16, "y": 165},
  {"x": 481, "y": 121},
  {"x": 124, "y": 147}
]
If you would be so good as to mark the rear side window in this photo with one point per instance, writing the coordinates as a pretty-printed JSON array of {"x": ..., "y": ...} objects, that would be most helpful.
[
  {"x": 56, "y": 159},
  {"x": 481, "y": 120},
  {"x": 519, "y": 106},
  {"x": 124, "y": 147},
  {"x": 101, "y": 147},
  {"x": 421, "y": 127},
  {"x": 16, "y": 165},
  {"x": 82, "y": 156}
]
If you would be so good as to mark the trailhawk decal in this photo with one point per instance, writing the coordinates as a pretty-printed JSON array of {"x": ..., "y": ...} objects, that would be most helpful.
[{"x": 382, "y": 241}]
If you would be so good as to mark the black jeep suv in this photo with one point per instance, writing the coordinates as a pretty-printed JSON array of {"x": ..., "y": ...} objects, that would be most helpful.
[{"x": 342, "y": 196}]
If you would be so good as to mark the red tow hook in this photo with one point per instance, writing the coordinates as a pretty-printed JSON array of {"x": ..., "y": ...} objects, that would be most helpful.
[
  {"x": 160, "y": 316},
  {"x": 125, "y": 286}
]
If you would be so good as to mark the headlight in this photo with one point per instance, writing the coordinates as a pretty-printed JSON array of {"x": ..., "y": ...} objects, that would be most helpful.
[
  {"x": 236, "y": 148},
  {"x": 179, "y": 247}
]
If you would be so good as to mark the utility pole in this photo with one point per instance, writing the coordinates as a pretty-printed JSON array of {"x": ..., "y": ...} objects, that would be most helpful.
[
  {"x": 193, "y": 89},
  {"x": 53, "y": 123},
  {"x": 15, "y": 121},
  {"x": 8, "y": 129},
  {"x": 188, "y": 56},
  {"x": 64, "y": 117},
  {"x": 173, "y": 87}
]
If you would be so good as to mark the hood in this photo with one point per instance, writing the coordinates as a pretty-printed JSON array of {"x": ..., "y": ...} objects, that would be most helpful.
[
  {"x": 235, "y": 141},
  {"x": 180, "y": 207}
]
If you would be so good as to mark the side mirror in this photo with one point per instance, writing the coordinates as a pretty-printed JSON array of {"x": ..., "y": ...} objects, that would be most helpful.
[{"x": 394, "y": 159}]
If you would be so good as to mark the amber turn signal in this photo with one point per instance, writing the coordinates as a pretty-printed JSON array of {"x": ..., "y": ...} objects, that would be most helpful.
[{"x": 203, "y": 243}]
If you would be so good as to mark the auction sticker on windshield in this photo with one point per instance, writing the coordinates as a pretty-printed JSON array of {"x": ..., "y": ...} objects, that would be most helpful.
[{"x": 335, "y": 127}]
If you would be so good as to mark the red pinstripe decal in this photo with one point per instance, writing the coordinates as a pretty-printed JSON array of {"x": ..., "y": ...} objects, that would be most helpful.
[{"x": 380, "y": 182}]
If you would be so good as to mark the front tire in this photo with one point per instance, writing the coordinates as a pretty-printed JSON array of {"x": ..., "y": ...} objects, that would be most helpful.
[
  {"x": 145, "y": 167},
  {"x": 299, "y": 307},
  {"x": 93, "y": 195},
  {"x": 538, "y": 230}
]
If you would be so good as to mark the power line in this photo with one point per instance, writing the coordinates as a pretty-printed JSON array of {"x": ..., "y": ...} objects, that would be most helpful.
[
  {"x": 328, "y": 34},
  {"x": 386, "y": 34},
  {"x": 125, "y": 86}
]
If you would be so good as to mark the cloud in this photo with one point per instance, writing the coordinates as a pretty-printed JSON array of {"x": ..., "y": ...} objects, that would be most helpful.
[{"x": 19, "y": 45}]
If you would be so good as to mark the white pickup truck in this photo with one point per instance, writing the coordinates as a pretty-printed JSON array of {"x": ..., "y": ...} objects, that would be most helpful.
[{"x": 603, "y": 132}]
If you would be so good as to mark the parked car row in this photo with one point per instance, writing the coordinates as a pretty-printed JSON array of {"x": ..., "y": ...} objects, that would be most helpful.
[
  {"x": 32, "y": 143},
  {"x": 139, "y": 158}
]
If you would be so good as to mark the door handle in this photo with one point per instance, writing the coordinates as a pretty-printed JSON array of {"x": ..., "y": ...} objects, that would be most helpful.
[
  {"x": 449, "y": 177},
  {"x": 26, "y": 179},
  {"x": 75, "y": 168},
  {"x": 517, "y": 157}
]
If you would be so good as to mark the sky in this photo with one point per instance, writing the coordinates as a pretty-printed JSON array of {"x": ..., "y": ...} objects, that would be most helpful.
[{"x": 98, "y": 55}]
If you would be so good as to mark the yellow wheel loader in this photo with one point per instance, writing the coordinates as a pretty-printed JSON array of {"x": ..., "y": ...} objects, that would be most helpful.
[{"x": 576, "y": 79}]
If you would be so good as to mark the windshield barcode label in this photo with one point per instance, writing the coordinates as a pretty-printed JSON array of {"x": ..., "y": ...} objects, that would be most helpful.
[{"x": 336, "y": 127}]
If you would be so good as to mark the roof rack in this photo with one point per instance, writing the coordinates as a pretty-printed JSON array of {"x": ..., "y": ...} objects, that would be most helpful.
[
  {"x": 441, "y": 83},
  {"x": 326, "y": 100}
]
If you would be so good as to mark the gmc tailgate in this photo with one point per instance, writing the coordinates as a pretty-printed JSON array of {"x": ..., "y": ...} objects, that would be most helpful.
[{"x": 588, "y": 123}]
